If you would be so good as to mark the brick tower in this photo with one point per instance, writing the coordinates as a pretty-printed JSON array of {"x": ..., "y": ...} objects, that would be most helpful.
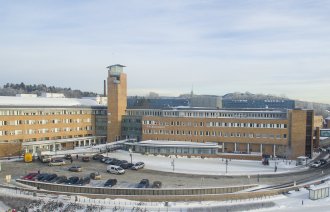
[{"x": 117, "y": 101}]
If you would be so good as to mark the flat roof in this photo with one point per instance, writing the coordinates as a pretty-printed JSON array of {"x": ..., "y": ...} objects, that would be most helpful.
[
  {"x": 45, "y": 142},
  {"x": 46, "y": 102},
  {"x": 162, "y": 143}
]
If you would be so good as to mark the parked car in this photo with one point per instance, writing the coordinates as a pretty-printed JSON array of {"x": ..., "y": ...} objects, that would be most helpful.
[
  {"x": 40, "y": 177},
  {"x": 85, "y": 159},
  {"x": 97, "y": 157},
  {"x": 95, "y": 176},
  {"x": 61, "y": 180},
  {"x": 138, "y": 165},
  {"x": 68, "y": 157},
  {"x": 104, "y": 159},
  {"x": 126, "y": 165},
  {"x": 30, "y": 176},
  {"x": 143, "y": 184},
  {"x": 109, "y": 160},
  {"x": 120, "y": 162},
  {"x": 114, "y": 161},
  {"x": 316, "y": 164},
  {"x": 323, "y": 161},
  {"x": 54, "y": 179},
  {"x": 110, "y": 183},
  {"x": 56, "y": 162},
  {"x": 49, "y": 177},
  {"x": 72, "y": 180},
  {"x": 115, "y": 169},
  {"x": 156, "y": 184},
  {"x": 83, "y": 181},
  {"x": 75, "y": 168}
]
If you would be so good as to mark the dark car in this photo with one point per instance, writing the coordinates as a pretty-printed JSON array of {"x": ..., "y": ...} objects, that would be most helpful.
[
  {"x": 85, "y": 159},
  {"x": 143, "y": 184},
  {"x": 49, "y": 177},
  {"x": 83, "y": 181},
  {"x": 72, "y": 180},
  {"x": 156, "y": 184},
  {"x": 40, "y": 177},
  {"x": 61, "y": 180},
  {"x": 104, "y": 159},
  {"x": 110, "y": 183},
  {"x": 68, "y": 156},
  {"x": 323, "y": 161},
  {"x": 97, "y": 157},
  {"x": 54, "y": 180},
  {"x": 109, "y": 160},
  {"x": 114, "y": 162},
  {"x": 126, "y": 165}
]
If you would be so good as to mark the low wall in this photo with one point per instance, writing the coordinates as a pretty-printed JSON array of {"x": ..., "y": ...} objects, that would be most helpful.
[
  {"x": 134, "y": 191},
  {"x": 164, "y": 196}
]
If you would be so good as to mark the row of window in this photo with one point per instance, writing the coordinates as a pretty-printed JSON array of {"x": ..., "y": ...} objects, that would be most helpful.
[
  {"x": 29, "y": 112},
  {"x": 44, "y": 130},
  {"x": 209, "y": 114},
  {"x": 215, "y": 134},
  {"x": 215, "y": 124},
  {"x": 53, "y": 121}
]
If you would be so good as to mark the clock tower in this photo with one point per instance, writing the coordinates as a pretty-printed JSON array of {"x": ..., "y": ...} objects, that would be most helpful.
[{"x": 117, "y": 101}]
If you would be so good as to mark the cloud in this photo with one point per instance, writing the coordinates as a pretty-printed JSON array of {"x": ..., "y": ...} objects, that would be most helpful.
[{"x": 219, "y": 46}]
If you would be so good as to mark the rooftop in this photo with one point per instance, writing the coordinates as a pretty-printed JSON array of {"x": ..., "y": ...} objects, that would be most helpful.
[{"x": 14, "y": 101}]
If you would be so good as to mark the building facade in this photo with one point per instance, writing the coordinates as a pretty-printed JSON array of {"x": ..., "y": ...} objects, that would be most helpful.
[
  {"x": 278, "y": 133},
  {"x": 35, "y": 120}
]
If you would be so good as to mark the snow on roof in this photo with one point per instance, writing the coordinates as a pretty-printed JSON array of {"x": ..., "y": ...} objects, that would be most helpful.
[
  {"x": 43, "y": 102},
  {"x": 176, "y": 143}
]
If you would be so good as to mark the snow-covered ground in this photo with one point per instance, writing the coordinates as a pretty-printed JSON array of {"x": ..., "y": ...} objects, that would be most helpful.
[
  {"x": 208, "y": 166},
  {"x": 295, "y": 201}
]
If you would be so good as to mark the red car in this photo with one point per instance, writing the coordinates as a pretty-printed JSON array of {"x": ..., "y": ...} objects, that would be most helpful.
[{"x": 30, "y": 176}]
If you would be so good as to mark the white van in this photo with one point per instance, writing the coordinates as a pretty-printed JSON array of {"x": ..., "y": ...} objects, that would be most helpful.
[{"x": 115, "y": 169}]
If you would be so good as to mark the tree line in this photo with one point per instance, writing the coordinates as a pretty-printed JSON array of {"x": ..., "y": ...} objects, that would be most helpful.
[{"x": 11, "y": 89}]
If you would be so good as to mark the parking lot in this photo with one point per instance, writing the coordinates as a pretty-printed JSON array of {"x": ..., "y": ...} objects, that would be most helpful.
[{"x": 131, "y": 178}]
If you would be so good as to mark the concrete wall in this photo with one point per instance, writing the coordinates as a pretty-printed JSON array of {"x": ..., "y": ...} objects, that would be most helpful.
[
  {"x": 167, "y": 196},
  {"x": 134, "y": 191}
]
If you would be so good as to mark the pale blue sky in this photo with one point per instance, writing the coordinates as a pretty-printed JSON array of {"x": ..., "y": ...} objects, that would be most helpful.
[{"x": 279, "y": 47}]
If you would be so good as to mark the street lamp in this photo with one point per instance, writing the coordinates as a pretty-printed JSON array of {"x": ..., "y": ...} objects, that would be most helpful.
[{"x": 130, "y": 154}]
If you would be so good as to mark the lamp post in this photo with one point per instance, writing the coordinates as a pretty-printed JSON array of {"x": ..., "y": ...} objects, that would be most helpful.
[
  {"x": 226, "y": 165},
  {"x": 130, "y": 154}
]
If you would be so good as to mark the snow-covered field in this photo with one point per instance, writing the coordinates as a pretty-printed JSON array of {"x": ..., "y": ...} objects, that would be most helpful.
[{"x": 208, "y": 166}]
